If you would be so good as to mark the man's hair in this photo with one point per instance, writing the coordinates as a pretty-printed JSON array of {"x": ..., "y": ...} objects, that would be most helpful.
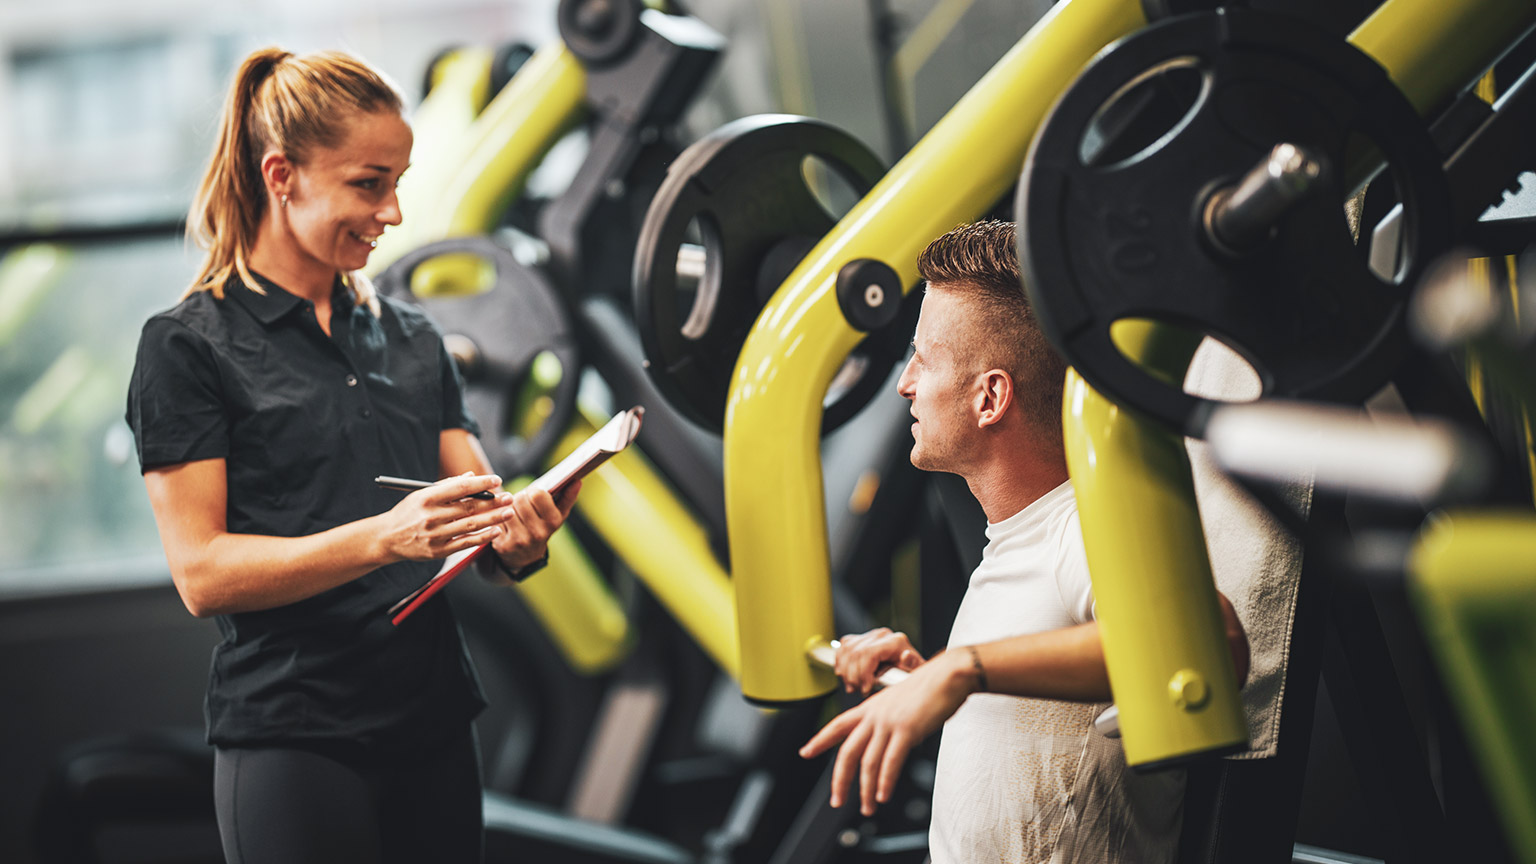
[{"x": 980, "y": 262}]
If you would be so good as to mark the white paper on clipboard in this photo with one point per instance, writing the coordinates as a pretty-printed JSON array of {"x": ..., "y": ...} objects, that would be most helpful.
[{"x": 603, "y": 444}]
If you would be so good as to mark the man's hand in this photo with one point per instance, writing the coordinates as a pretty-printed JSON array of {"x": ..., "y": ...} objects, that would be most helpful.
[
  {"x": 878, "y": 734},
  {"x": 862, "y": 658}
]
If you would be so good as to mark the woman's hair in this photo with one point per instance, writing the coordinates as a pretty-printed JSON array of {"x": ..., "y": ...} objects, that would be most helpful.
[{"x": 281, "y": 102}]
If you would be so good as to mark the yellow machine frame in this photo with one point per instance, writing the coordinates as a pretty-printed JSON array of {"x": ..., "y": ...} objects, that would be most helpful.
[
  {"x": 1168, "y": 664},
  {"x": 960, "y": 168}
]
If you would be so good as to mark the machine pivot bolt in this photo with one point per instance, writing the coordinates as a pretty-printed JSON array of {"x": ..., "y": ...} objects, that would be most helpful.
[
  {"x": 869, "y": 293},
  {"x": 1188, "y": 690}
]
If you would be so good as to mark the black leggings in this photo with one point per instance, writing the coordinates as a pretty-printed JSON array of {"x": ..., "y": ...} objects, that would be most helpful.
[{"x": 281, "y": 805}]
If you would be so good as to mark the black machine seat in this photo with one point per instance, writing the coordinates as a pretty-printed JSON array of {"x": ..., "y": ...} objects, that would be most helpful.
[{"x": 138, "y": 796}]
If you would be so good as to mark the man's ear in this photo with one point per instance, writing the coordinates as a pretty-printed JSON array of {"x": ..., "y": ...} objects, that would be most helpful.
[
  {"x": 277, "y": 173},
  {"x": 994, "y": 398}
]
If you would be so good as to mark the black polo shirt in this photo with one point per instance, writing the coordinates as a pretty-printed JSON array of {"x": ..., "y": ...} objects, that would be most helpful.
[{"x": 304, "y": 422}]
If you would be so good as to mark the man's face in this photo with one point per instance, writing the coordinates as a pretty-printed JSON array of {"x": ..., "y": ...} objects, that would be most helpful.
[{"x": 938, "y": 381}]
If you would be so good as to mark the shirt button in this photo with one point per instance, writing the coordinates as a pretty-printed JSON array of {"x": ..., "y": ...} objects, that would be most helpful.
[
  {"x": 366, "y": 413},
  {"x": 351, "y": 380}
]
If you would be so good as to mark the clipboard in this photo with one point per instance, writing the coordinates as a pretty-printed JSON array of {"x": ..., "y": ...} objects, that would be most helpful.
[{"x": 618, "y": 433}]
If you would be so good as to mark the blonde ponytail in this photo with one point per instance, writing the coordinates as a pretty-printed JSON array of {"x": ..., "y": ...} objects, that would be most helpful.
[{"x": 283, "y": 102}]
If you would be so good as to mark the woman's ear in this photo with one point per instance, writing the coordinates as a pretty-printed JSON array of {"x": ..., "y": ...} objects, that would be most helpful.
[
  {"x": 277, "y": 174},
  {"x": 995, "y": 397}
]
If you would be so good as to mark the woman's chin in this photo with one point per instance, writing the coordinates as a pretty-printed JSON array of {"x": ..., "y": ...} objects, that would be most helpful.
[{"x": 352, "y": 261}]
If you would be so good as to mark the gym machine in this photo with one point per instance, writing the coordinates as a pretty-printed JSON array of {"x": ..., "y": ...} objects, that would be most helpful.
[
  {"x": 1184, "y": 698},
  {"x": 504, "y": 334}
]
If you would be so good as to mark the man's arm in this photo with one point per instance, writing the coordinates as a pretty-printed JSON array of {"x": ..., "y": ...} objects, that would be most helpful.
[{"x": 1066, "y": 664}]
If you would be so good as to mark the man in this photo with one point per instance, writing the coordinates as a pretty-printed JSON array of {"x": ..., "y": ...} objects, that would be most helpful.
[{"x": 1019, "y": 779}]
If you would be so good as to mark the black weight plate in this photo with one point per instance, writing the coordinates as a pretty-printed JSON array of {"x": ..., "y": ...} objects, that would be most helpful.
[
  {"x": 599, "y": 32},
  {"x": 1123, "y": 237},
  {"x": 746, "y": 185},
  {"x": 510, "y": 325}
]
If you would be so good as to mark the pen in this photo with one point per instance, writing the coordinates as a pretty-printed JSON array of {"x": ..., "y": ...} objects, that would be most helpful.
[{"x": 407, "y": 485}]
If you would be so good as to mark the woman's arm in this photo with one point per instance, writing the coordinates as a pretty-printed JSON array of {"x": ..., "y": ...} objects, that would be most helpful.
[
  {"x": 458, "y": 452},
  {"x": 217, "y": 572}
]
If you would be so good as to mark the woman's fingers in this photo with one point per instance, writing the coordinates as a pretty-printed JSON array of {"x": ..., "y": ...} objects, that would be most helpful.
[
  {"x": 478, "y": 520},
  {"x": 470, "y": 540},
  {"x": 448, "y": 519},
  {"x": 443, "y": 505},
  {"x": 543, "y": 507},
  {"x": 528, "y": 514},
  {"x": 567, "y": 499},
  {"x": 454, "y": 488}
]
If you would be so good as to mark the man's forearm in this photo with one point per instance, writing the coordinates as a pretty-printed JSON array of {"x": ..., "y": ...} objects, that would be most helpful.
[
  {"x": 1065, "y": 664},
  {"x": 1068, "y": 664}
]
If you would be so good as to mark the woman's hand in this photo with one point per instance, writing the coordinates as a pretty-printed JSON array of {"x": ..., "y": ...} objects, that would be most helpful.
[
  {"x": 436, "y": 522},
  {"x": 862, "y": 658},
  {"x": 523, "y": 536}
]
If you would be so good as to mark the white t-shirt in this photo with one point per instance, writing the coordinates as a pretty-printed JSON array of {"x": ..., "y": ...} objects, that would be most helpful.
[{"x": 1029, "y": 781}]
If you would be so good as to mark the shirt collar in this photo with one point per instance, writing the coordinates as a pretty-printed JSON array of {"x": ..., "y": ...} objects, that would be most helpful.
[
  {"x": 276, "y": 302},
  {"x": 268, "y": 307}
]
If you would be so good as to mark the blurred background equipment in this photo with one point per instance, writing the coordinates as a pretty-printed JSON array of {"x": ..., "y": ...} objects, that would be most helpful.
[{"x": 607, "y": 200}]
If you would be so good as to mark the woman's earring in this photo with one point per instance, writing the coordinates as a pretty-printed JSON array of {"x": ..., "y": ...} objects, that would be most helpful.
[{"x": 285, "y": 200}]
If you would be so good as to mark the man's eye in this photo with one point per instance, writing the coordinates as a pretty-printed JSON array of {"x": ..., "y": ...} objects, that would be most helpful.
[{"x": 368, "y": 183}]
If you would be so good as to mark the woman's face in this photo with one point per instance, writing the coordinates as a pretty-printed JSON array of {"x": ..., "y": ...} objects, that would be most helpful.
[{"x": 341, "y": 198}]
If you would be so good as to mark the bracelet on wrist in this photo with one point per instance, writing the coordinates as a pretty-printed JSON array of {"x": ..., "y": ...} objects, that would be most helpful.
[
  {"x": 521, "y": 573},
  {"x": 981, "y": 672}
]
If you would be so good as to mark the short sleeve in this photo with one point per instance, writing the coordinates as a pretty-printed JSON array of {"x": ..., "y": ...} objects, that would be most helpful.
[
  {"x": 455, "y": 413},
  {"x": 176, "y": 404},
  {"x": 1072, "y": 580}
]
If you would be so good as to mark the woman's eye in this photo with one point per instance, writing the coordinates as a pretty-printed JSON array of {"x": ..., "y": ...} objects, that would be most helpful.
[{"x": 368, "y": 183}]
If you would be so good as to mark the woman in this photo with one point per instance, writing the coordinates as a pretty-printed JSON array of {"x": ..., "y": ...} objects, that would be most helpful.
[{"x": 263, "y": 405}]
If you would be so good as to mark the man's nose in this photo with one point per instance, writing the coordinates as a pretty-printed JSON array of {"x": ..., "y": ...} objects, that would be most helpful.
[{"x": 904, "y": 384}]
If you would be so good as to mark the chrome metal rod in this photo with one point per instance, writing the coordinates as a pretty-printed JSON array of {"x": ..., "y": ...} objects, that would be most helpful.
[{"x": 1240, "y": 217}]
